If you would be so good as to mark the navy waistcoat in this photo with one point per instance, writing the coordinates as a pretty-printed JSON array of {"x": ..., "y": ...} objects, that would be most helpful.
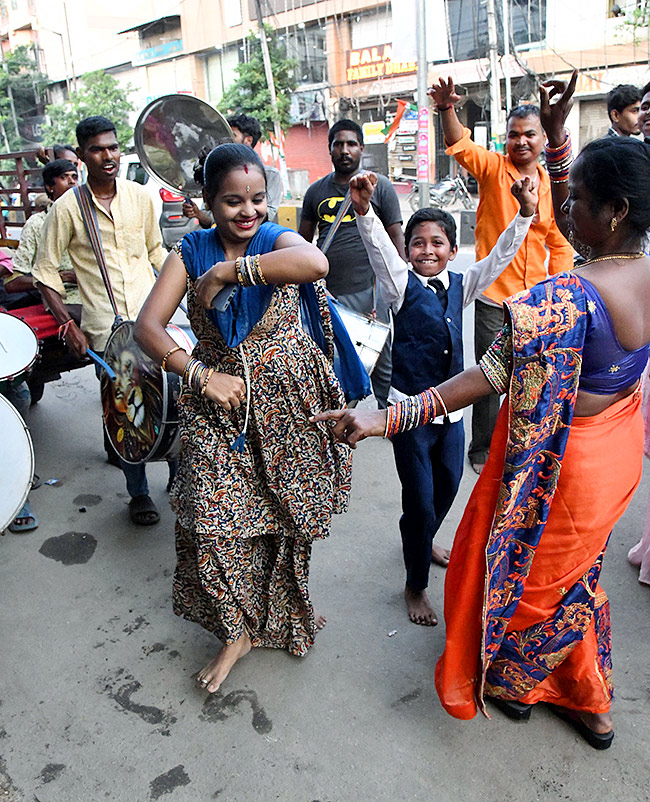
[{"x": 427, "y": 342}]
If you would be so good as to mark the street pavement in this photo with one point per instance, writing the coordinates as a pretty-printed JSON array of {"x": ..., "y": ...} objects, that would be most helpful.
[{"x": 98, "y": 701}]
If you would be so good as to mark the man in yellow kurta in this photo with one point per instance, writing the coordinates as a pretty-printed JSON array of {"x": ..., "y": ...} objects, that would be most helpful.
[{"x": 132, "y": 244}]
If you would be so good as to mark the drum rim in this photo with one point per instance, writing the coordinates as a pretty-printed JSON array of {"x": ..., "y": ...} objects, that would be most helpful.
[{"x": 4, "y": 525}]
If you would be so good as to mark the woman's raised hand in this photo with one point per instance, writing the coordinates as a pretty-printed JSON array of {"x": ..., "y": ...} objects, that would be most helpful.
[
  {"x": 362, "y": 185},
  {"x": 354, "y": 425},
  {"x": 209, "y": 284},
  {"x": 553, "y": 115},
  {"x": 444, "y": 93},
  {"x": 226, "y": 390}
]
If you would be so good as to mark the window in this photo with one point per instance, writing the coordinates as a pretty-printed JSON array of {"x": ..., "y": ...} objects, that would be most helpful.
[{"x": 469, "y": 30}]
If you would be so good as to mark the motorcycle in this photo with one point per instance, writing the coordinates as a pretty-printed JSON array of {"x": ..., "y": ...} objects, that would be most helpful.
[{"x": 447, "y": 192}]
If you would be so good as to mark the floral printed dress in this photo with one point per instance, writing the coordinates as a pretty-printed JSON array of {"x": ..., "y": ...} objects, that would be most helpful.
[{"x": 246, "y": 520}]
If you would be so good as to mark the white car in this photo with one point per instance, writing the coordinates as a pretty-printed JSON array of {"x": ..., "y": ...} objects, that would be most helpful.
[{"x": 168, "y": 205}]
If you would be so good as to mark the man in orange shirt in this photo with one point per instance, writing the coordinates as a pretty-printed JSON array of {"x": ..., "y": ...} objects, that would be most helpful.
[{"x": 495, "y": 174}]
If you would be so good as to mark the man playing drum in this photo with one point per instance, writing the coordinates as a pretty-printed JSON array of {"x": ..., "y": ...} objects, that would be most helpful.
[
  {"x": 350, "y": 278},
  {"x": 131, "y": 242}
]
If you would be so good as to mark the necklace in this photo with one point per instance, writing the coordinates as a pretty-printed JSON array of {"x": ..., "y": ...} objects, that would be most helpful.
[{"x": 636, "y": 255}]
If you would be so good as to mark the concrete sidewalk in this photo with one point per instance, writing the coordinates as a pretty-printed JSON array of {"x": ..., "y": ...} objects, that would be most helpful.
[{"x": 98, "y": 702}]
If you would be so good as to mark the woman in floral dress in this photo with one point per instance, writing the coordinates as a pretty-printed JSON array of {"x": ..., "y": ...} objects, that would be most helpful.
[{"x": 257, "y": 483}]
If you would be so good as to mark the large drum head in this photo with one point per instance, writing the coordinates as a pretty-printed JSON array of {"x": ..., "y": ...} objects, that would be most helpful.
[
  {"x": 170, "y": 133},
  {"x": 18, "y": 347},
  {"x": 17, "y": 456}
]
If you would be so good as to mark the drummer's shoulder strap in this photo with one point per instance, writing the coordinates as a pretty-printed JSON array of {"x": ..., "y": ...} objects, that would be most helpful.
[{"x": 91, "y": 224}]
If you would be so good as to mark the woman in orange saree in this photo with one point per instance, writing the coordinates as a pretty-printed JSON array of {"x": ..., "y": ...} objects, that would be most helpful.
[{"x": 526, "y": 618}]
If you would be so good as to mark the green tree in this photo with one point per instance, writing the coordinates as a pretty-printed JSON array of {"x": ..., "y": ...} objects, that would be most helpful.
[
  {"x": 250, "y": 93},
  {"x": 101, "y": 94},
  {"x": 21, "y": 80}
]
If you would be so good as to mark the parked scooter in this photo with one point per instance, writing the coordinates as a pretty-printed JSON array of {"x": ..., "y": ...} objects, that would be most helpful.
[{"x": 447, "y": 192}]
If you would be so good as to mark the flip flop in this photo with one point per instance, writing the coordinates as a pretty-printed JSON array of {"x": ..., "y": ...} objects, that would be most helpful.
[
  {"x": 31, "y": 521},
  {"x": 143, "y": 511},
  {"x": 517, "y": 711},
  {"x": 598, "y": 740}
]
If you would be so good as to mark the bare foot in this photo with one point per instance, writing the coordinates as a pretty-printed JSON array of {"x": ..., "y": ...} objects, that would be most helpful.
[
  {"x": 319, "y": 620},
  {"x": 218, "y": 669},
  {"x": 440, "y": 556},
  {"x": 419, "y": 607}
]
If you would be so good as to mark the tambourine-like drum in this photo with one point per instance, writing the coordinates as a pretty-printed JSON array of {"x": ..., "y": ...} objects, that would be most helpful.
[
  {"x": 140, "y": 407},
  {"x": 367, "y": 334},
  {"x": 18, "y": 348},
  {"x": 17, "y": 456}
]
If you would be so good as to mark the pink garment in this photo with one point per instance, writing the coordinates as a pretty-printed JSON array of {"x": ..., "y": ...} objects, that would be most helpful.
[
  {"x": 640, "y": 554},
  {"x": 5, "y": 261}
]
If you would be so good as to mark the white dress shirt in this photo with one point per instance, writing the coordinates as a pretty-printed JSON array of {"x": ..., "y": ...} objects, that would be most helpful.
[{"x": 392, "y": 271}]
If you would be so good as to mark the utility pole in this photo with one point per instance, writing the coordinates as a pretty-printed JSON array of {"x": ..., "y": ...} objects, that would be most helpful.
[
  {"x": 505, "y": 15},
  {"x": 274, "y": 100},
  {"x": 423, "y": 105},
  {"x": 495, "y": 88}
]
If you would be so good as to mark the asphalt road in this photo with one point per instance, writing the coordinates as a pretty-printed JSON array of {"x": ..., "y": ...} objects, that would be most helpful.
[{"x": 97, "y": 700}]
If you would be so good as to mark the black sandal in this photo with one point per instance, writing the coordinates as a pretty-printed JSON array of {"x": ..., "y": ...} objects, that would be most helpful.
[
  {"x": 517, "y": 711},
  {"x": 143, "y": 511},
  {"x": 598, "y": 740}
]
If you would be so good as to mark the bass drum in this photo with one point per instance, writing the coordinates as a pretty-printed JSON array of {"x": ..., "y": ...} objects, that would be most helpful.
[
  {"x": 140, "y": 408},
  {"x": 17, "y": 456},
  {"x": 18, "y": 348},
  {"x": 368, "y": 335}
]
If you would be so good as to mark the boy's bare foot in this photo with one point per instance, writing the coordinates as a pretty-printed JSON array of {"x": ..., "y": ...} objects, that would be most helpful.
[
  {"x": 419, "y": 607},
  {"x": 440, "y": 556},
  {"x": 218, "y": 669},
  {"x": 319, "y": 620}
]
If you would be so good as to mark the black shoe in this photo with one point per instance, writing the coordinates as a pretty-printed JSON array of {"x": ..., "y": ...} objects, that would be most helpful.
[
  {"x": 598, "y": 740},
  {"x": 517, "y": 711}
]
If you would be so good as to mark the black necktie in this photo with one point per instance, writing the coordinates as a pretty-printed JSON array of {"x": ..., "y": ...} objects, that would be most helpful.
[{"x": 441, "y": 292}]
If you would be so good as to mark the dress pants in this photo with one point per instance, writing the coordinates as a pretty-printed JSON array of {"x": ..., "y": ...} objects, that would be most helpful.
[
  {"x": 488, "y": 321},
  {"x": 429, "y": 462}
]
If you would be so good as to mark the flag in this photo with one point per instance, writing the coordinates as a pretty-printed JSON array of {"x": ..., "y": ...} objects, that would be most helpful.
[{"x": 402, "y": 106}]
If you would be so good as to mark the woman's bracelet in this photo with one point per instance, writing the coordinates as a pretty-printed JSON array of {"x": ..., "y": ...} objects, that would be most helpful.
[
  {"x": 412, "y": 412},
  {"x": 197, "y": 375},
  {"x": 249, "y": 271},
  {"x": 171, "y": 351},
  {"x": 444, "y": 108},
  {"x": 559, "y": 160}
]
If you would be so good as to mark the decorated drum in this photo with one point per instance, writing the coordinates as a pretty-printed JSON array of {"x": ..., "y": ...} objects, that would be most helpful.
[{"x": 140, "y": 407}]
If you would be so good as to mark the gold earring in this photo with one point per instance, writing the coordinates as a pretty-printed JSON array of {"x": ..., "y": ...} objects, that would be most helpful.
[{"x": 613, "y": 223}]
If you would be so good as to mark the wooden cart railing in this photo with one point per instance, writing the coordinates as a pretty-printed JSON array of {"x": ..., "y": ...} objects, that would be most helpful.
[{"x": 20, "y": 179}]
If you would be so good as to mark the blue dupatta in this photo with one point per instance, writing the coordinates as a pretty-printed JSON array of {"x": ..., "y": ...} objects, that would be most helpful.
[{"x": 202, "y": 249}]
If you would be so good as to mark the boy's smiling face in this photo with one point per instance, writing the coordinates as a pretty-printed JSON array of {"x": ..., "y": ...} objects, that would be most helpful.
[{"x": 429, "y": 250}]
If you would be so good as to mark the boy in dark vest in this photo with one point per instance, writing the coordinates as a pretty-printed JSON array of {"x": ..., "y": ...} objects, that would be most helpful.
[{"x": 427, "y": 301}]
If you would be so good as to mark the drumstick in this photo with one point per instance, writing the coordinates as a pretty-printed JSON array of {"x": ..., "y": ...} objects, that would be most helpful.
[{"x": 97, "y": 358}]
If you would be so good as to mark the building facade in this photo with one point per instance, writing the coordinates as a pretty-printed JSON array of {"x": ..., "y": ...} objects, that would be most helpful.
[{"x": 354, "y": 59}]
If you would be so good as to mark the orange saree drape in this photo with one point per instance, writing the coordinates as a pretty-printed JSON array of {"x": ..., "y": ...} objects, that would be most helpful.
[{"x": 601, "y": 469}]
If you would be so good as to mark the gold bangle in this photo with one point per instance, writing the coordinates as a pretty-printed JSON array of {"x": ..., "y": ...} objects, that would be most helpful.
[
  {"x": 208, "y": 376},
  {"x": 171, "y": 351}
]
